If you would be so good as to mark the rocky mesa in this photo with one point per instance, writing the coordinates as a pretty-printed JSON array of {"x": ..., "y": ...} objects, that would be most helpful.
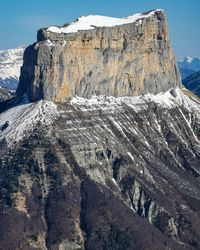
[
  {"x": 108, "y": 172},
  {"x": 98, "y": 55}
]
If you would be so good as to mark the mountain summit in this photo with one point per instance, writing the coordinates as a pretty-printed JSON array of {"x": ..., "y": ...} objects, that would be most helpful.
[
  {"x": 190, "y": 63},
  {"x": 113, "y": 162},
  {"x": 99, "y": 55}
]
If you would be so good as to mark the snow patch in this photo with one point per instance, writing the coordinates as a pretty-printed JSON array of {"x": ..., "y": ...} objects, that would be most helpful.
[
  {"x": 118, "y": 126},
  {"x": 92, "y": 21},
  {"x": 131, "y": 156},
  {"x": 165, "y": 100},
  {"x": 114, "y": 181},
  {"x": 24, "y": 118}
]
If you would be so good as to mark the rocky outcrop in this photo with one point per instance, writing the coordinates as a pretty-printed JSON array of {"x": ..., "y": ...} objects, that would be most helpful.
[
  {"x": 123, "y": 60},
  {"x": 6, "y": 94}
]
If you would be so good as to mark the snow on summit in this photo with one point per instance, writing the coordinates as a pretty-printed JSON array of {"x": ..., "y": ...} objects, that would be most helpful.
[
  {"x": 191, "y": 63},
  {"x": 92, "y": 21}
]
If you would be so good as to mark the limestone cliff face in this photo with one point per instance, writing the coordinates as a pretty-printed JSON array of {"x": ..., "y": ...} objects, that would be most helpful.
[{"x": 123, "y": 60}]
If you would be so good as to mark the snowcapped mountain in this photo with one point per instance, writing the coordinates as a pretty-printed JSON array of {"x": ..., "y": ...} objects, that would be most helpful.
[
  {"x": 190, "y": 63},
  {"x": 107, "y": 154},
  {"x": 10, "y": 63},
  {"x": 188, "y": 66}
]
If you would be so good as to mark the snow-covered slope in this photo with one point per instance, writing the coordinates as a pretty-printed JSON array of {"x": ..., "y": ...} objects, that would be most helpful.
[
  {"x": 23, "y": 119},
  {"x": 134, "y": 156},
  {"x": 10, "y": 63},
  {"x": 188, "y": 66},
  {"x": 91, "y": 21},
  {"x": 167, "y": 100},
  {"x": 6, "y": 94}
]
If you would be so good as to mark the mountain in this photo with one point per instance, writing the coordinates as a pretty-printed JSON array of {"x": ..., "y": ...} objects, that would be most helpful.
[
  {"x": 192, "y": 83},
  {"x": 190, "y": 63},
  {"x": 186, "y": 72},
  {"x": 118, "y": 169},
  {"x": 103, "y": 173},
  {"x": 190, "y": 70},
  {"x": 10, "y": 63},
  {"x": 188, "y": 66},
  {"x": 130, "y": 58}
]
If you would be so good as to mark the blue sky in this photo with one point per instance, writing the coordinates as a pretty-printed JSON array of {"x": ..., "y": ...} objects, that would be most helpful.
[{"x": 20, "y": 19}]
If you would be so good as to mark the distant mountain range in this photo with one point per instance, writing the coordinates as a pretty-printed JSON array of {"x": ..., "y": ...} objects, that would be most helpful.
[
  {"x": 190, "y": 73},
  {"x": 186, "y": 72},
  {"x": 188, "y": 66},
  {"x": 10, "y": 63},
  {"x": 192, "y": 83}
]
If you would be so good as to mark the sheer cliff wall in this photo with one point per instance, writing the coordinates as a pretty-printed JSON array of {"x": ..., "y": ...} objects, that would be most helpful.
[{"x": 124, "y": 60}]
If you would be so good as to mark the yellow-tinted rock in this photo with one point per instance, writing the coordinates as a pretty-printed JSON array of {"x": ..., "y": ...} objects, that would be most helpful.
[
  {"x": 124, "y": 60},
  {"x": 20, "y": 202}
]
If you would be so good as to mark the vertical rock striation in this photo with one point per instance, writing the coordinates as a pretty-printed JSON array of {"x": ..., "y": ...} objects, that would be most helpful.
[{"x": 122, "y": 60}]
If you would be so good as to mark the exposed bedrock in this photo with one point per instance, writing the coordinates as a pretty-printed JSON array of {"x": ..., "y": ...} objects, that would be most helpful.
[
  {"x": 109, "y": 174},
  {"x": 124, "y": 60}
]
